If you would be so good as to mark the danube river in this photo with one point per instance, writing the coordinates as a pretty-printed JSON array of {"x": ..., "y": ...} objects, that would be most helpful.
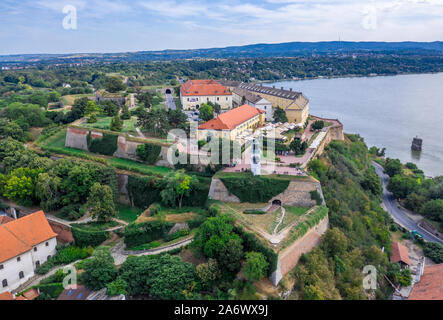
[{"x": 387, "y": 111}]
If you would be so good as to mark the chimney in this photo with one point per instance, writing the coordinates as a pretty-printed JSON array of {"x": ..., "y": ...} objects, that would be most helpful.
[
  {"x": 273, "y": 87},
  {"x": 290, "y": 89},
  {"x": 282, "y": 88}
]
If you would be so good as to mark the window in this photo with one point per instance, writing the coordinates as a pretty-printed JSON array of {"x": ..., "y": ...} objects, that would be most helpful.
[
  {"x": 1, "y": 266},
  {"x": 47, "y": 244},
  {"x": 5, "y": 283},
  {"x": 37, "y": 263},
  {"x": 19, "y": 259},
  {"x": 49, "y": 257},
  {"x": 21, "y": 275},
  {"x": 35, "y": 248}
]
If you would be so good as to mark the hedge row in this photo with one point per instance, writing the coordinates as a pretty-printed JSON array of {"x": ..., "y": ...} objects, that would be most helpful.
[
  {"x": 86, "y": 238},
  {"x": 107, "y": 145},
  {"x": 52, "y": 289},
  {"x": 250, "y": 188},
  {"x": 141, "y": 233}
]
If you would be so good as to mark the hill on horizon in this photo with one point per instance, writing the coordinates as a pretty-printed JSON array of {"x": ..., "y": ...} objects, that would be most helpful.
[{"x": 261, "y": 50}]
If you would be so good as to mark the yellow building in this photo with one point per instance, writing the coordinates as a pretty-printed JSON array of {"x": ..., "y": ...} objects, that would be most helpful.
[
  {"x": 230, "y": 124},
  {"x": 295, "y": 104}
]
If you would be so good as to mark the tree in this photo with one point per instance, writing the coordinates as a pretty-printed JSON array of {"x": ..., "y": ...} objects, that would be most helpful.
[
  {"x": 117, "y": 287},
  {"x": 433, "y": 210},
  {"x": 145, "y": 99},
  {"x": 206, "y": 112},
  {"x": 317, "y": 125},
  {"x": 110, "y": 108},
  {"x": 280, "y": 115},
  {"x": 256, "y": 266},
  {"x": 393, "y": 167},
  {"x": 148, "y": 152},
  {"x": 20, "y": 185},
  {"x": 99, "y": 269},
  {"x": 216, "y": 239},
  {"x": 126, "y": 115},
  {"x": 160, "y": 276},
  {"x": 116, "y": 124},
  {"x": 154, "y": 121},
  {"x": 101, "y": 202},
  {"x": 298, "y": 147},
  {"x": 47, "y": 190},
  {"x": 401, "y": 186},
  {"x": 209, "y": 272},
  {"x": 372, "y": 183},
  {"x": 177, "y": 186},
  {"x": 11, "y": 129},
  {"x": 114, "y": 84},
  {"x": 177, "y": 119}
]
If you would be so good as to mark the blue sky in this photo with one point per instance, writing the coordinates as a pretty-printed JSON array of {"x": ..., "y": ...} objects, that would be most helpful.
[{"x": 35, "y": 26}]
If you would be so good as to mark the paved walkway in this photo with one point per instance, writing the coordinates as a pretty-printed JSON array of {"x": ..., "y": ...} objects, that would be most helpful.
[{"x": 170, "y": 102}]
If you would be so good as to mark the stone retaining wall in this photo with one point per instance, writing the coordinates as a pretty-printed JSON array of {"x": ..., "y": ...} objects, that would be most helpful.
[{"x": 288, "y": 258}]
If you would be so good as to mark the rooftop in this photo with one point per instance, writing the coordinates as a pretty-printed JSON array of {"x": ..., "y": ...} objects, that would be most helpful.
[
  {"x": 430, "y": 286},
  {"x": 231, "y": 119},
  {"x": 19, "y": 236},
  {"x": 298, "y": 98},
  {"x": 249, "y": 96},
  {"x": 400, "y": 253},
  {"x": 203, "y": 88}
]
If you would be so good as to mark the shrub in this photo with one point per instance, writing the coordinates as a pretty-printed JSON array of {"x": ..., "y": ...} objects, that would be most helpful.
[
  {"x": 148, "y": 153},
  {"x": 52, "y": 290},
  {"x": 86, "y": 238},
  {"x": 72, "y": 212},
  {"x": 117, "y": 287},
  {"x": 107, "y": 145},
  {"x": 253, "y": 211},
  {"x": 141, "y": 233},
  {"x": 434, "y": 251},
  {"x": 253, "y": 189}
]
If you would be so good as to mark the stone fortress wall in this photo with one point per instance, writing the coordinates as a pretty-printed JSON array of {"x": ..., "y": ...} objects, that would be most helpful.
[{"x": 126, "y": 148}]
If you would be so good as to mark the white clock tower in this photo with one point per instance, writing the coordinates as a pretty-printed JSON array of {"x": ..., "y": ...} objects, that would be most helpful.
[{"x": 255, "y": 158}]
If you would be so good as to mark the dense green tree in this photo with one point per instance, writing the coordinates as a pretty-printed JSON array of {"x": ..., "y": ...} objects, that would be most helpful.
[
  {"x": 208, "y": 272},
  {"x": 280, "y": 115},
  {"x": 393, "y": 167},
  {"x": 298, "y": 147},
  {"x": 160, "y": 276},
  {"x": 401, "y": 186},
  {"x": 99, "y": 270},
  {"x": 101, "y": 202},
  {"x": 317, "y": 125},
  {"x": 256, "y": 266},
  {"x": 115, "y": 84},
  {"x": 177, "y": 186},
  {"x": 116, "y": 124},
  {"x": 206, "y": 112},
  {"x": 154, "y": 121},
  {"x": 433, "y": 210},
  {"x": 126, "y": 115}
]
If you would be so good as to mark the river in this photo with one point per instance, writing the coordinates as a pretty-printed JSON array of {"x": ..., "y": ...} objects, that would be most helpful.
[{"x": 386, "y": 111}]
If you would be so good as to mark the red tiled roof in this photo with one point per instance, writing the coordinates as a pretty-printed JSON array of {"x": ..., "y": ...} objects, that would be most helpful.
[
  {"x": 400, "y": 253},
  {"x": 231, "y": 119},
  {"x": 19, "y": 236},
  {"x": 430, "y": 286},
  {"x": 5, "y": 219},
  {"x": 203, "y": 88},
  {"x": 6, "y": 296}
]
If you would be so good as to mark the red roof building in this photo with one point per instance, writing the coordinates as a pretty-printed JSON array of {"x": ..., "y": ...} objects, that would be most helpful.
[
  {"x": 193, "y": 93},
  {"x": 231, "y": 123},
  {"x": 203, "y": 88},
  {"x": 5, "y": 219},
  {"x": 400, "y": 254},
  {"x": 430, "y": 286}
]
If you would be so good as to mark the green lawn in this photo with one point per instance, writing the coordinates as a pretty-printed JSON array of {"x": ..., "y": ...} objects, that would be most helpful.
[
  {"x": 129, "y": 165},
  {"x": 104, "y": 123},
  {"x": 127, "y": 213}
]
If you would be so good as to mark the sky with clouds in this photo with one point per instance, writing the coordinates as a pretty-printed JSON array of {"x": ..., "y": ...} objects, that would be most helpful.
[{"x": 36, "y": 26}]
